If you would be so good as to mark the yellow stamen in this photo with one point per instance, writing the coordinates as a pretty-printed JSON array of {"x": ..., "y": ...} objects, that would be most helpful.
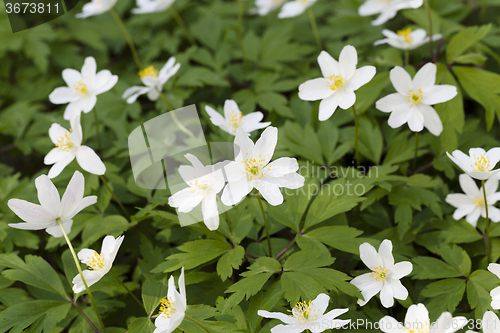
[
  {"x": 415, "y": 98},
  {"x": 167, "y": 307},
  {"x": 148, "y": 71},
  {"x": 303, "y": 312},
  {"x": 64, "y": 142},
  {"x": 200, "y": 187},
  {"x": 482, "y": 163},
  {"x": 235, "y": 120},
  {"x": 406, "y": 34},
  {"x": 479, "y": 202},
  {"x": 96, "y": 262},
  {"x": 336, "y": 82},
  {"x": 379, "y": 273},
  {"x": 255, "y": 168},
  {"x": 81, "y": 88}
]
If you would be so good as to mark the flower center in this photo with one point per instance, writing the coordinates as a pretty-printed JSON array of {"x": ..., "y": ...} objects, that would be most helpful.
[
  {"x": 336, "y": 82},
  {"x": 167, "y": 307},
  {"x": 406, "y": 34},
  {"x": 415, "y": 98},
  {"x": 255, "y": 168},
  {"x": 64, "y": 142},
  {"x": 235, "y": 120},
  {"x": 81, "y": 88},
  {"x": 199, "y": 187},
  {"x": 96, "y": 262},
  {"x": 303, "y": 312},
  {"x": 148, "y": 71},
  {"x": 380, "y": 273},
  {"x": 479, "y": 202},
  {"x": 416, "y": 327},
  {"x": 482, "y": 163}
]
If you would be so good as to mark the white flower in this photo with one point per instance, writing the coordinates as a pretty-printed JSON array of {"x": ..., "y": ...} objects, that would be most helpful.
[
  {"x": 52, "y": 208},
  {"x": 386, "y": 8},
  {"x": 385, "y": 274},
  {"x": 83, "y": 88},
  {"x": 406, "y": 39},
  {"x": 412, "y": 102},
  {"x": 295, "y": 8},
  {"x": 96, "y": 7},
  {"x": 495, "y": 293},
  {"x": 341, "y": 80},
  {"x": 153, "y": 81},
  {"x": 266, "y": 6},
  {"x": 98, "y": 264},
  {"x": 152, "y": 6},
  {"x": 307, "y": 316},
  {"x": 234, "y": 119},
  {"x": 479, "y": 164},
  {"x": 173, "y": 308},
  {"x": 253, "y": 170},
  {"x": 68, "y": 146},
  {"x": 472, "y": 202},
  {"x": 417, "y": 320},
  {"x": 489, "y": 324},
  {"x": 204, "y": 184}
]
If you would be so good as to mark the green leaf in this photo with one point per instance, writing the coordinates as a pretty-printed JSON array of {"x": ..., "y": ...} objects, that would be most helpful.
[
  {"x": 432, "y": 268},
  {"x": 465, "y": 39},
  {"x": 141, "y": 325},
  {"x": 340, "y": 237},
  {"x": 152, "y": 293},
  {"x": 229, "y": 260},
  {"x": 479, "y": 285},
  {"x": 446, "y": 294}
]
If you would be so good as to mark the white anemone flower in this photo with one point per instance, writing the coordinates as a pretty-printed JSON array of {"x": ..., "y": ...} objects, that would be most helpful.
[
  {"x": 489, "y": 324},
  {"x": 412, "y": 102},
  {"x": 68, "y": 146},
  {"x": 204, "y": 183},
  {"x": 417, "y": 320},
  {"x": 385, "y": 274},
  {"x": 173, "y": 308},
  {"x": 341, "y": 80},
  {"x": 263, "y": 7},
  {"x": 406, "y": 39},
  {"x": 495, "y": 293},
  {"x": 308, "y": 316},
  {"x": 98, "y": 264},
  {"x": 471, "y": 204},
  {"x": 83, "y": 88},
  {"x": 479, "y": 164},
  {"x": 234, "y": 119},
  {"x": 253, "y": 169},
  {"x": 153, "y": 81},
  {"x": 52, "y": 209},
  {"x": 386, "y": 8},
  {"x": 96, "y": 7},
  {"x": 152, "y": 6},
  {"x": 295, "y": 8}
]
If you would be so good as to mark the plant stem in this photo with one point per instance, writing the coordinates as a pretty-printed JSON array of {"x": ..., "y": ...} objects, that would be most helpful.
[
  {"x": 174, "y": 117},
  {"x": 164, "y": 99},
  {"x": 127, "y": 37},
  {"x": 416, "y": 151},
  {"x": 429, "y": 17},
  {"x": 266, "y": 224},
  {"x": 240, "y": 30},
  {"x": 356, "y": 153},
  {"x": 487, "y": 226},
  {"x": 181, "y": 23},
  {"x": 77, "y": 263},
  {"x": 96, "y": 330},
  {"x": 97, "y": 130},
  {"x": 114, "y": 196},
  {"x": 315, "y": 29},
  {"x": 197, "y": 322},
  {"x": 129, "y": 291},
  {"x": 407, "y": 58}
]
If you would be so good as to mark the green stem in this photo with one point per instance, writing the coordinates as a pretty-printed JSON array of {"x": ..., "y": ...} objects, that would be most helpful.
[
  {"x": 356, "y": 152},
  {"x": 181, "y": 23},
  {"x": 315, "y": 29},
  {"x": 96, "y": 330},
  {"x": 487, "y": 226},
  {"x": 429, "y": 17},
  {"x": 114, "y": 196},
  {"x": 127, "y": 37},
  {"x": 97, "y": 130},
  {"x": 174, "y": 117},
  {"x": 266, "y": 224},
  {"x": 416, "y": 152},
  {"x": 407, "y": 58},
  {"x": 240, "y": 30},
  {"x": 129, "y": 291},
  {"x": 197, "y": 322},
  {"x": 77, "y": 263}
]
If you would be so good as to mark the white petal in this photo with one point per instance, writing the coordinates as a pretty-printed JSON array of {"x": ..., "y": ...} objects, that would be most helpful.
[
  {"x": 399, "y": 291},
  {"x": 264, "y": 147},
  {"x": 210, "y": 212},
  {"x": 89, "y": 161},
  {"x": 110, "y": 247},
  {"x": 71, "y": 76},
  {"x": 27, "y": 226},
  {"x": 370, "y": 7},
  {"x": 56, "y": 231},
  {"x": 243, "y": 145},
  {"x": 458, "y": 200},
  {"x": 63, "y": 95},
  {"x": 30, "y": 212},
  {"x": 105, "y": 81},
  {"x": 473, "y": 217},
  {"x": 234, "y": 192},
  {"x": 58, "y": 167},
  {"x": 314, "y": 90},
  {"x": 270, "y": 192},
  {"x": 385, "y": 252},
  {"x": 73, "y": 194},
  {"x": 464, "y": 210},
  {"x": 490, "y": 323},
  {"x": 91, "y": 277},
  {"x": 185, "y": 200},
  {"x": 87, "y": 103},
  {"x": 390, "y": 325},
  {"x": 329, "y": 66},
  {"x": 368, "y": 286},
  {"x": 291, "y": 9},
  {"x": 346, "y": 98},
  {"x": 84, "y": 203},
  {"x": 48, "y": 195},
  {"x": 439, "y": 94},
  {"x": 291, "y": 180},
  {"x": 387, "y": 296},
  {"x": 348, "y": 60},
  {"x": 55, "y": 155},
  {"x": 71, "y": 111},
  {"x": 320, "y": 303},
  {"x": 495, "y": 269},
  {"x": 132, "y": 93},
  {"x": 89, "y": 68},
  {"x": 431, "y": 119},
  {"x": 494, "y": 213},
  {"x": 399, "y": 116},
  {"x": 401, "y": 80},
  {"x": 76, "y": 134},
  {"x": 282, "y": 166},
  {"x": 469, "y": 186},
  {"x": 461, "y": 159},
  {"x": 370, "y": 256},
  {"x": 390, "y": 102},
  {"x": 328, "y": 106},
  {"x": 494, "y": 156},
  {"x": 274, "y": 315},
  {"x": 56, "y": 132},
  {"x": 416, "y": 120},
  {"x": 362, "y": 76},
  {"x": 401, "y": 269},
  {"x": 425, "y": 77},
  {"x": 215, "y": 117}
]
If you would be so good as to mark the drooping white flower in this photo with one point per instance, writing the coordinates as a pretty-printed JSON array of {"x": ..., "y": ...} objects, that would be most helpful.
[
  {"x": 173, "y": 308},
  {"x": 252, "y": 169},
  {"x": 479, "y": 164},
  {"x": 52, "y": 208},
  {"x": 417, "y": 320},
  {"x": 83, "y": 88},
  {"x": 307, "y": 316},
  {"x": 153, "y": 81},
  {"x": 412, "y": 102},
  {"x": 341, "y": 80},
  {"x": 406, "y": 39},
  {"x": 203, "y": 185},
  {"x": 234, "y": 119},
  {"x": 489, "y": 323},
  {"x": 263, "y": 7},
  {"x": 495, "y": 293},
  {"x": 98, "y": 264},
  {"x": 471, "y": 204},
  {"x": 385, "y": 274},
  {"x": 96, "y": 7},
  {"x": 152, "y": 6},
  {"x": 68, "y": 146},
  {"x": 386, "y": 8},
  {"x": 295, "y": 8}
]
